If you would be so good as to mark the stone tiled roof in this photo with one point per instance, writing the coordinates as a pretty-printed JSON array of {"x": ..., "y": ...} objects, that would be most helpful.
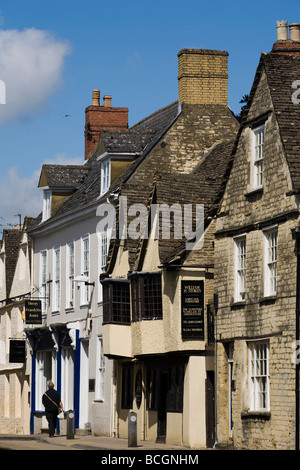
[
  {"x": 11, "y": 241},
  {"x": 125, "y": 141},
  {"x": 64, "y": 176},
  {"x": 205, "y": 185},
  {"x": 281, "y": 71},
  {"x": 143, "y": 136},
  {"x": 197, "y": 129},
  {"x": 170, "y": 173}
]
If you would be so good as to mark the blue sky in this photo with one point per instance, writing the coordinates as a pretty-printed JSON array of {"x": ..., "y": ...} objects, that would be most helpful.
[{"x": 54, "y": 53}]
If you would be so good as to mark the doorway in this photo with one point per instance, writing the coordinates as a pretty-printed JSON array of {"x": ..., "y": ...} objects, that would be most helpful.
[
  {"x": 162, "y": 408},
  {"x": 84, "y": 377}
]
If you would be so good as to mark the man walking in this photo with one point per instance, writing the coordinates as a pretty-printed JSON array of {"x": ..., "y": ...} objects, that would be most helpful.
[{"x": 53, "y": 405}]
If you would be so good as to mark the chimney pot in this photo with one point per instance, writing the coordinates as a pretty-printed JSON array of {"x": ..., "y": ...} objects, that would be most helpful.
[
  {"x": 96, "y": 98},
  {"x": 295, "y": 32},
  {"x": 282, "y": 30},
  {"x": 107, "y": 101}
]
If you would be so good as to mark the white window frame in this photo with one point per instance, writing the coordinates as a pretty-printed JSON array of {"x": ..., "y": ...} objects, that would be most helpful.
[
  {"x": 100, "y": 371},
  {"x": 103, "y": 252},
  {"x": 46, "y": 369},
  {"x": 240, "y": 247},
  {"x": 270, "y": 261},
  {"x": 56, "y": 279},
  {"x": 258, "y": 376},
  {"x": 67, "y": 375},
  {"x": 105, "y": 176},
  {"x": 85, "y": 269},
  {"x": 2, "y": 268},
  {"x": 43, "y": 280},
  {"x": 46, "y": 204},
  {"x": 257, "y": 156},
  {"x": 70, "y": 272}
]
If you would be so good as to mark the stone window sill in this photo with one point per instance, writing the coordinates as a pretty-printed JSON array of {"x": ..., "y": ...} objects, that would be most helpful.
[
  {"x": 263, "y": 415},
  {"x": 268, "y": 299},
  {"x": 254, "y": 192},
  {"x": 237, "y": 305}
]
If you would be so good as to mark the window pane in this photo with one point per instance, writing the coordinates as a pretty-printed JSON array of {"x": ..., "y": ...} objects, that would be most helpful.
[
  {"x": 271, "y": 267},
  {"x": 240, "y": 246},
  {"x": 258, "y": 157},
  {"x": 258, "y": 376}
]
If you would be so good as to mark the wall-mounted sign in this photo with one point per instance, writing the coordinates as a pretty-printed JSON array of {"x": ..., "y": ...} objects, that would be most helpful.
[
  {"x": 192, "y": 309},
  {"x": 17, "y": 350},
  {"x": 33, "y": 312}
]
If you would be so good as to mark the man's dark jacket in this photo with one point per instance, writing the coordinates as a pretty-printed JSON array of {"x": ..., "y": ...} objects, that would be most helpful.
[{"x": 54, "y": 395}]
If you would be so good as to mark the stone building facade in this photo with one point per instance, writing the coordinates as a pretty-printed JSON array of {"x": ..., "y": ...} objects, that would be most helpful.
[
  {"x": 15, "y": 369},
  {"x": 256, "y": 267},
  {"x": 157, "y": 292}
]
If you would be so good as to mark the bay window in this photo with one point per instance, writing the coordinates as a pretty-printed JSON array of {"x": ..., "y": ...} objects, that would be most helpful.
[
  {"x": 116, "y": 301},
  {"x": 146, "y": 295}
]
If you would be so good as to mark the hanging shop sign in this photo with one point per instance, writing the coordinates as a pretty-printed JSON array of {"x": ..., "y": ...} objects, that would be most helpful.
[
  {"x": 192, "y": 309},
  {"x": 33, "y": 312},
  {"x": 17, "y": 350}
]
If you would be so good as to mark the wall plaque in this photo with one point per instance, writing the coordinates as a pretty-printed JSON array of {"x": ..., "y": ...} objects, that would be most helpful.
[{"x": 192, "y": 309}]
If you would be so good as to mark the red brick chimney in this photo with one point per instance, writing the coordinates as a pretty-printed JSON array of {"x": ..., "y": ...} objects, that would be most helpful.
[
  {"x": 98, "y": 118},
  {"x": 285, "y": 45}
]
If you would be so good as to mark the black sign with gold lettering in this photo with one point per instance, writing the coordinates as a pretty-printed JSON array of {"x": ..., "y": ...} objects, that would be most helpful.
[
  {"x": 17, "y": 350},
  {"x": 192, "y": 309},
  {"x": 33, "y": 312}
]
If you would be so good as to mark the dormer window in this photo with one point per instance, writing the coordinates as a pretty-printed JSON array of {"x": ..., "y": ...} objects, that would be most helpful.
[
  {"x": 257, "y": 157},
  {"x": 47, "y": 205},
  {"x": 105, "y": 176}
]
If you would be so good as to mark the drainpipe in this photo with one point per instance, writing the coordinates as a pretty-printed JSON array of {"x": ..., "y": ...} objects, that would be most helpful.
[
  {"x": 216, "y": 306},
  {"x": 296, "y": 236}
]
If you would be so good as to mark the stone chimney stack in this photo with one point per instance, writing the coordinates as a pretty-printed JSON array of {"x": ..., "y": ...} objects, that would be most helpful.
[
  {"x": 98, "y": 118},
  {"x": 284, "y": 44},
  {"x": 203, "y": 76}
]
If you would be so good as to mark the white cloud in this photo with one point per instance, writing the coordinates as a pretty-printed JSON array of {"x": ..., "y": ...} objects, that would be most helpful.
[
  {"x": 134, "y": 60},
  {"x": 61, "y": 158},
  {"x": 31, "y": 64},
  {"x": 20, "y": 195}
]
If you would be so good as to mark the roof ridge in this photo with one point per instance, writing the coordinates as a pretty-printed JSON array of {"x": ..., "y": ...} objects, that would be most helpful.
[{"x": 145, "y": 119}]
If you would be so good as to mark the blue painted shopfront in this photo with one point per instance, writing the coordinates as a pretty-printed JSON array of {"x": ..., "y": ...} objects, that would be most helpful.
[{"x": 58, "y": 365}]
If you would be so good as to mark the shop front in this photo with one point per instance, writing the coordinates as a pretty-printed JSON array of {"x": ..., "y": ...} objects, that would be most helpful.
[{"x": 55, "y": 356}]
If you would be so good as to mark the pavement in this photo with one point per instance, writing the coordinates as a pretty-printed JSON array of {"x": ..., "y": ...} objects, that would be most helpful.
[{"x": 85, "y": 442}]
